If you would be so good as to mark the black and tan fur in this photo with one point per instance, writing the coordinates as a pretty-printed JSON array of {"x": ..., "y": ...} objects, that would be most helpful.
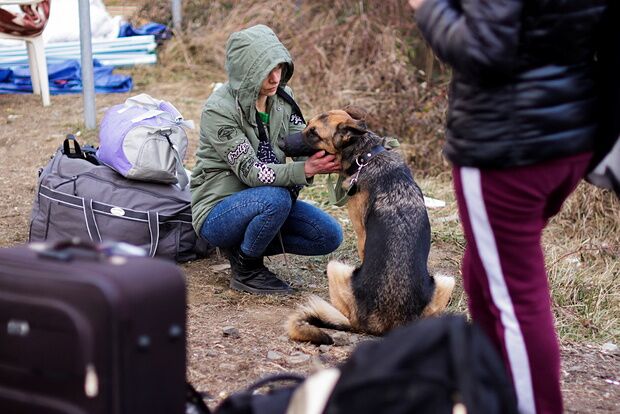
[{"x": 392, "y": 286}]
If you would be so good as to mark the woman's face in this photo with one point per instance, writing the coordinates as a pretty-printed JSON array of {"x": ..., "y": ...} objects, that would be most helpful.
[{"x": 270, "y": 84}]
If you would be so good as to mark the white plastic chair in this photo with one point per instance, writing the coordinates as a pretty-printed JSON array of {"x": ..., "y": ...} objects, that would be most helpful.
[{"x": 36, "y": 56}]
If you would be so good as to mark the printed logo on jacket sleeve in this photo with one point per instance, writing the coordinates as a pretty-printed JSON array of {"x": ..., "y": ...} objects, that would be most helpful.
[
  {"x": 246, "y": 166},
  {"x": 265, "y": 174},
  {"x": 239, "y": 150},
  {"x": 225, "y": 133},
  {"x": 296, "y": 119}
]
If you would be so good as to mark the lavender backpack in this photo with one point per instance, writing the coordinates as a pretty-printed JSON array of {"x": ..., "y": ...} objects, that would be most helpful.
[{"x": 144, "y": 139}]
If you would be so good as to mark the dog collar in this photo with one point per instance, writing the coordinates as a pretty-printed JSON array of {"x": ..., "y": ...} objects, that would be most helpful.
[
  {"x": 364, "y": 159},
  {"x": 360, "y": 162}
]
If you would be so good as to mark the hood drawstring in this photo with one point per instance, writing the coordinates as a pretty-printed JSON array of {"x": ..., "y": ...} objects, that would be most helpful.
[{"x": 239, "y": 109}]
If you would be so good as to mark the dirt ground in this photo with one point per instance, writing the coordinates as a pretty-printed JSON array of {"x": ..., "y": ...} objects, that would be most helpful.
[{"x": 234, "y": 338}]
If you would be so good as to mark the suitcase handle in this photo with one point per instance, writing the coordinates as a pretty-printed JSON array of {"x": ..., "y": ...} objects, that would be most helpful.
[{"x": 67, "y": 250}]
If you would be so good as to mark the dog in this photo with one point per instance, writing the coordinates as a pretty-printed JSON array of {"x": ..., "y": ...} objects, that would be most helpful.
[{"x": 392, "y": 286}]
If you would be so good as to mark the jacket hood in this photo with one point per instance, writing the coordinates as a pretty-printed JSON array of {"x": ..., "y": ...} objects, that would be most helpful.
[{"x": 250, "y": 55}]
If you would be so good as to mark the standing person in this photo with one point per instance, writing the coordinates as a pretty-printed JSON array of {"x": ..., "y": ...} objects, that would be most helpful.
[
  {"x": 521, "y": 126},
  {"x": 244, "y": 194}
]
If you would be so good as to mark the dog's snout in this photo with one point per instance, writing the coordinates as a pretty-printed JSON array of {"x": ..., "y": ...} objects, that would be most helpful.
[
  {"x": 294, "y": 145},
  {"x": 282, "y": 144}
]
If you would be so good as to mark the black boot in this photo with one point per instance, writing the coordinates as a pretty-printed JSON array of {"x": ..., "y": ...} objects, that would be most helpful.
[{"x": 249, "y": 274}]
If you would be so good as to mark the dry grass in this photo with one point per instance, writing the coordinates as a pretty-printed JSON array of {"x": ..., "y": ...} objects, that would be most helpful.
[
  {"x": 346, "y": 52},
  {"x": 369, "y": 54},
  {"x": 582, "y": 247}
]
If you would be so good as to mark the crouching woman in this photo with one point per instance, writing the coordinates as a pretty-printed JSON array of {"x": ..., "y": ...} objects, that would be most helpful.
[{"x": 244, "y": 193}]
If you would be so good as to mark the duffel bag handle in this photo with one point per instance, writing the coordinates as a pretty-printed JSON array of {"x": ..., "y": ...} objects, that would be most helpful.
[
  {"x": 95, "y": 236},
  {"x": 71, "y": 148}
]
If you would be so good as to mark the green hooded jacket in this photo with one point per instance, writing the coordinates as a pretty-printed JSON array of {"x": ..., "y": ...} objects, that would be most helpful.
[{"x": 226, "y": 160}]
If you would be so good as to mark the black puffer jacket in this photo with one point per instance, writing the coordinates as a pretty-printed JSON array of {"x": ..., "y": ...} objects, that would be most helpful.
[{"x": 523, "y": 87}]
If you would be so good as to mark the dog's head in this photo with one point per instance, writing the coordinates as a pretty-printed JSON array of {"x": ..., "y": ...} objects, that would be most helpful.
[{"x": 330, "y": 131}]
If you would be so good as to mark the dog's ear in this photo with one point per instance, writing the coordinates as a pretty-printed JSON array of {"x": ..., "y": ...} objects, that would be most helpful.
[
  {"x": 347, "y": 131},
  {"x": 357, "y": 113}
]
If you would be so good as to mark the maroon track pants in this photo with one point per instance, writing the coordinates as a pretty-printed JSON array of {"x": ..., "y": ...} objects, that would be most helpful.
[{"x": 504, "y": 213}]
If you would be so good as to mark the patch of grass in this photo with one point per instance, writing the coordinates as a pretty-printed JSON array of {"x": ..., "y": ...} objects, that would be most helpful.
[
  {"x": 582, "y": 247},
  {"x": 345, "y": 52}
]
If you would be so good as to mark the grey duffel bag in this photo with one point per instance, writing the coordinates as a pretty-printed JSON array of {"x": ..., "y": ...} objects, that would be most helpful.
[{"x": 75, "y": 198}]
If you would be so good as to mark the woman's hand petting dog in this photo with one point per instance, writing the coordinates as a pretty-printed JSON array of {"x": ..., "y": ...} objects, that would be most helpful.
[{"x": 321, "y": 163}]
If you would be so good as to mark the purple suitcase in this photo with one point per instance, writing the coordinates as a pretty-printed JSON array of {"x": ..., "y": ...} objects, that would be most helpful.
[{"x": 85, "y": 330}]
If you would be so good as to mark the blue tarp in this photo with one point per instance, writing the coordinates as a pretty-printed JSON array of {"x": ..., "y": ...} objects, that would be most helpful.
[
  {"x": 4, "y": 74},
  {"x": 120, "y": 51},
  {"x": 160, "y": 31},
  {"x": 64, "y": 77}
]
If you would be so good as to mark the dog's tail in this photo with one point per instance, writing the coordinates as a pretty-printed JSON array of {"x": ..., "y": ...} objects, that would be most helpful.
[
  {"x": 305, "y": 324},
  {"x": 444, "y": 285}
]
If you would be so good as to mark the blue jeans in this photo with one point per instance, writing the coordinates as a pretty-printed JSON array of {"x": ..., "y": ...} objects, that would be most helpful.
[{"x": 252, "y": 218}]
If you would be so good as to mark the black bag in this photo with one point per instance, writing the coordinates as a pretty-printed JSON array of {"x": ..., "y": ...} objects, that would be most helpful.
[
  {"x": 431, "y": 366},
  {"x": 87, "y": 329}
]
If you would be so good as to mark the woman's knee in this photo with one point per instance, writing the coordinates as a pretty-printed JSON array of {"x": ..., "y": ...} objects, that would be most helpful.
[
  {"x": 276, "y": 201},
  {"x": 331, "y": 235},
  {"x": 334, "y": 240}
]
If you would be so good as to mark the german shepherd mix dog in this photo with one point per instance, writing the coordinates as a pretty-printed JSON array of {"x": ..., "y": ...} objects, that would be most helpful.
[{"x": 392, "y": 286}]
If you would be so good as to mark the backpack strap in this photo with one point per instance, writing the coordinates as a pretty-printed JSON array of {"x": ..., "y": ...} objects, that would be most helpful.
[
  {"x": 275, "y": 378},
  {"x": 461, "y": 363},
  {"x": 468, "y": 343},
  {"x": 181, "y": 174},
  {"x": 249, "y": 401},
  {"x": 289, "y": 99}
]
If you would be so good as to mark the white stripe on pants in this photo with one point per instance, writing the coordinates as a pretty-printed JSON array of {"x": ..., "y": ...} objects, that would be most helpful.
[{"x": 489, "y": 256}]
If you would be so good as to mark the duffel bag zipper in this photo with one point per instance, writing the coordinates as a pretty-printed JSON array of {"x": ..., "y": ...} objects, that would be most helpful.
[
  {"x": 176, "y": 215},
  {"x": 96, "y": 177}
]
